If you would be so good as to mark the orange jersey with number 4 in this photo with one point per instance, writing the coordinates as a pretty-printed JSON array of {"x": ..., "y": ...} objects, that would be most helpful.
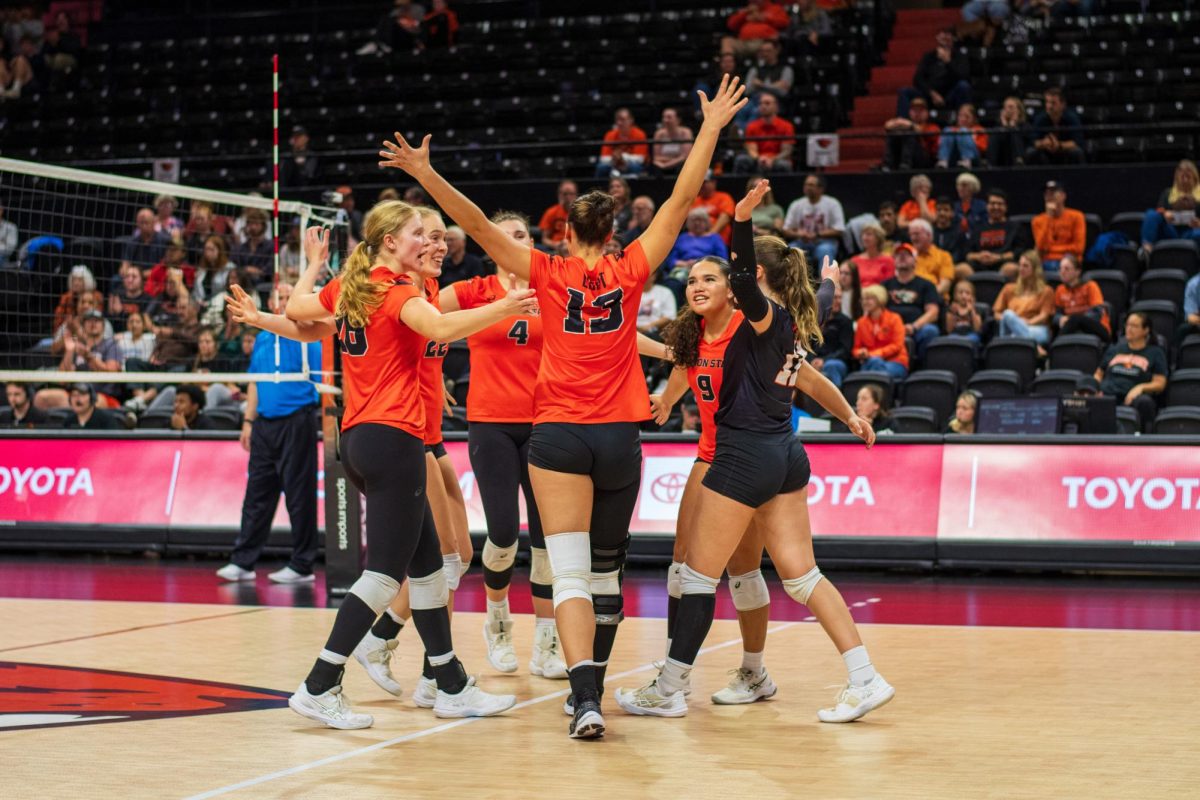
[
  {"x": 590, "y": 371},
  {"x": 381, "y": 362},
  {"x": 705, "y": 380},
  {"x": 504, "y": 357}
]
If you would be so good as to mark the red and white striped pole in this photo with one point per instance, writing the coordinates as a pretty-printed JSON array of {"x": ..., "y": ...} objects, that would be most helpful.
[{"x": 275, "y": 160}]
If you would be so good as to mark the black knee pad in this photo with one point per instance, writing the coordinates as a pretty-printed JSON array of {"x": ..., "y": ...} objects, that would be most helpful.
[
  {"x": 609, "y": 557},
  {"x": 608, "y": 567},
  {"x": 608, "y": 608}
]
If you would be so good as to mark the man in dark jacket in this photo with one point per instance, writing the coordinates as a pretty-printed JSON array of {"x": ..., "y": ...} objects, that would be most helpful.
[{"x": 941, "y": 77}]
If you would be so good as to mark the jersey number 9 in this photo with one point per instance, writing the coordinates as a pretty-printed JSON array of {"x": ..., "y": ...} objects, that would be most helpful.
[
  {"x": 704, "y": 382},
  {"x": 609, "y": 302}
]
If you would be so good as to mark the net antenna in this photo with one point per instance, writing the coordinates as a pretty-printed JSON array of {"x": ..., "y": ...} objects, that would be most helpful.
[{"x": 78, "y": 234}]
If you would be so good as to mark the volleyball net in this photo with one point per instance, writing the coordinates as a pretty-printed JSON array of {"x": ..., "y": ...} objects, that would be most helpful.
[{"x": 119, "y": 281}]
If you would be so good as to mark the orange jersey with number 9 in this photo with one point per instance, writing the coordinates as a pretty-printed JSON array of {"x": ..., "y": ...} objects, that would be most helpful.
[
  {"x": 705, "y": 380},
  {"x": 504, "y": 357},
  {"x": 590, "y": 371}
]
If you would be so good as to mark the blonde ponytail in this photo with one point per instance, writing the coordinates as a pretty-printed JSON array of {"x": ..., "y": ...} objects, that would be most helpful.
[
  {"x": 359, "y": 296},
  {"x": 786, "y": 272}
]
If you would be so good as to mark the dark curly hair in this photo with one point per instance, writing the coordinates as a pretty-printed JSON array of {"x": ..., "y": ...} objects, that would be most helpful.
[{"x": 683, "y": 334}]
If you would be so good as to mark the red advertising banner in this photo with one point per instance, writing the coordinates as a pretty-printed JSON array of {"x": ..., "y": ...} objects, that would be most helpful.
[{"x": 1077, "y": 493}]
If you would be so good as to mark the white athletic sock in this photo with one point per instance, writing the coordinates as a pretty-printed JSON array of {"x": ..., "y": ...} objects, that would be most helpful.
[
  {"x": 497, "y": 612},
  {"x": 858, "y": 663},
  {"x": 752, "y": 662},
  {"x": 675, "y": 676},
  {"x": 332, "y": 657},
  {"x": 668, "y": 655},
  {"x": 545, "y": 622}
]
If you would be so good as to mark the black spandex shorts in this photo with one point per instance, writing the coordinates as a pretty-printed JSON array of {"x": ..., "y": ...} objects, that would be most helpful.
[
  {"x": 438, "y": 449},
  {"x": 752, "y": 468}
]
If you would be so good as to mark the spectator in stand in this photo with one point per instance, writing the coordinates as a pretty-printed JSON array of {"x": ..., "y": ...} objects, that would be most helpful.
[
  {"x": 23, "y": 72},
  {"x": 86, "y": 416},
  {"x": 188, "y": 403},
  {"x": 137, "y": 340},
  {"x": 146, "y": 247},
  {"x": 619, "y": 191},
  {"x": 1191, "y": 309},
  {"x": 1175, "y": 216},
  {"x": 810, "y": 25},
  {"x": 962, "y": 317},
  {"x": 1057, "y": 133},
  {"x": 215, "y": 314},
  {"x": 947, "y": 235},
  {"x": 832, "y": 354},
  {"x": 554, "y": 219},
  {"x": 963, "y": 143},
  {"x": 868, "y": 404},
  {"x": 758, "y": 21},
  {"x": 769, "y": 76},
  {"x": 964, "y": 414},
  {"x": 970, "y": 208},
  {"x": 174, "y": 258},
  {"x": 91, "y": 350},
  {"x": 941, "y": 77},
  {"x": 165, "y": 220},
  {"x": 672, "y": 143},
  {"x": 850, "y": 285},
  {"x": 299, "y": 168},
  {"x": 992, "y": 245},
  {"x": 239, "y": 224},
  {"x": 200, "y": 226},
  {"x": 770, "y": 155},
  {"x": 915, "y": 299},
  {"x": 1058, "y": 230},
  {"x": 874, "y": 266},
  {"x": 256, "y": 255},
  {"x": 767, "y": 218},
  {"x": 415, "y": 196},
  {"x": 879, "y": 336},
  {"x": 657, "y": 308},
  {"x": 933, "y": 263},
  {"x": 400, "y": 29},
  {"x": 290, "y": 254},
  {"x": 61, "y": 49},
  {"x": 719, "y": 206},
  {"x": 440, "y": 26},
  {"x": 889, "y": 223},
  {"x": 912, "y": 140},
  {"x": 1025, "y": 308},
  {"x": 21, "y": 412},
  {"x": 208, "y": 358},
  {"x": 815, "y": 223},
  {"x": 642, "y": 209},
  {"x": 693, "y": 244},
  {"x": 983, "y": 19},
  {"x": 1134, "y": 369},
  {"x": 8, "y": 238},
  {"x": 625, "y": 149},
  {"x": 1080, "y": 304},
  {"x": 1006, "y": 148},
  {"x": 459, "y": 265},
  {"x": 80, "y": 283},
  {"x": 72, "y": 326},
  {"x": 920, "y": 204},
  {"x": 353, "y": 216}
]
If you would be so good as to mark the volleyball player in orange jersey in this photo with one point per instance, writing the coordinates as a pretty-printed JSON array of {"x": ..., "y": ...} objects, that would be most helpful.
[
  {"x": 585, "y": 453},
  {"x": 382, "y": 323},
  {"x": 698, "y": 339}
]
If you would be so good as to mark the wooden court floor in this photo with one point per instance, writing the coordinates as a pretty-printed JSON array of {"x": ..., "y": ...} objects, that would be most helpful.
[{"x": 979, "y": 713}]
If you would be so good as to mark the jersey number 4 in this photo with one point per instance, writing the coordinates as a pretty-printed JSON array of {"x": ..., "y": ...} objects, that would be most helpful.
[
  {"x": 609, "y": 302},
  {"x": 353, "y": 340},
  {"x": 519, "y": 332},
  {"x": 704, "y": 383},
  {"x": 791, "y": 369}
]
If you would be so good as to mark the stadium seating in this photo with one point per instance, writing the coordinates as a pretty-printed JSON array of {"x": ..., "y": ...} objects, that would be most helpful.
[
  {"x": 1077, "y": 351},
  {"x": 1019, "y": 355},
  {"x": 916, "y": 419},
  {"x": 932, "y": 388},
  {"x": 952, "y": 353},
  {"x": 1056, "y": 382},
  {"x": 995, "y": 383},
  {"x": 1178, "y": 420},
  {"x": 1183, "y": 388}
]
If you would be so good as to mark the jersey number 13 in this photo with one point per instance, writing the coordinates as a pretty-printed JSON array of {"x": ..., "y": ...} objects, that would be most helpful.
[{"x": 609, "y": 302}]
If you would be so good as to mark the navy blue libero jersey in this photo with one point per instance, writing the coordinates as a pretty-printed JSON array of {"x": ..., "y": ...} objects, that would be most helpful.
[{"x": 760, "y": 376}]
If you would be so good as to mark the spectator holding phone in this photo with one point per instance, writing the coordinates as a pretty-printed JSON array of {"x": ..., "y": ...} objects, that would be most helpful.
[{"x": 1175, "y": 216}]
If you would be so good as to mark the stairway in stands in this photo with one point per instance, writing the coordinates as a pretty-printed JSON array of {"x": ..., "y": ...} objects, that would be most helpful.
[{"x": 912, "y": 37}]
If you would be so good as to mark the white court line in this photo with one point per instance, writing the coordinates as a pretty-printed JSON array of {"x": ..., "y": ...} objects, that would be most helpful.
[
  {"x": 174, "y": 480},
  {"x": 971, "y": 507},
  {"x": 440, "y": 728}
]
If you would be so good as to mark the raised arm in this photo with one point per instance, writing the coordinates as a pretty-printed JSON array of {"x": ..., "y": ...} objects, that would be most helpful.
[
  {"x": 503, "y": 249},
  {"x": 305, "y": 303},
  {"x": 743, "y": 275},
  {"x": 660, "y": 237},
  {"x": 244, "y": 311},
  {"x": 426, "y": 320}
]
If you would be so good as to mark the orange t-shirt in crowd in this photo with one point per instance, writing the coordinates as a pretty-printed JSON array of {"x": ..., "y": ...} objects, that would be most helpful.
[
  {"x": 633, "y": 143},
  {"x": 716, "y": 204},
  {"x": 883, "y": 337},
  {"x": 553, "y": 224},
  {"x": 1025, "y": 306},
  {"x": 1054, "y": 237},
  {"x": 433, "y": 388},
  {"x": 705, "y": 380},
  {"x": 505, "y": 357},
  {"x": 381, "y": 362},
  {"x": 590, "y": 371},
  {"x": 775, "y": 19},
  {"x": 1078, "y": 300},
  {"x": 777, "y": 127},
  {"x": 910, "y": 210}
]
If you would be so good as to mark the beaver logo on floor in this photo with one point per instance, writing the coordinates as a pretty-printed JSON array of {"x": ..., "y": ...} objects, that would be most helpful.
[{"x": 45, "y": 696}]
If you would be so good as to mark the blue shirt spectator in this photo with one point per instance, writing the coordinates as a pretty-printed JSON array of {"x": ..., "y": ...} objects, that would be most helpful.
[
  {"x": 277, "y": 400},
  {"x": 146, "y": 247},
  {"x": 696, "y": 242}
]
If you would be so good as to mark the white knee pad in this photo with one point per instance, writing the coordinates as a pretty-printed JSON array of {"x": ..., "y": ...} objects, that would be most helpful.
[
  {"x": 674, "y": 586},
  {"x": 571, "y": 565},
  {"x": 608, "y": 583},
  {"x": 749, "y": 591},
  {"x": 801, "y": 588},
  {"x": 539, "y": 567},
  {"x": 375, "y": 589},
  {"x": 692, "y": 582},
  {"x": 429, "y": 592},
  {"x": 453, "y": 567},
  {"x": 498, "y": 559}
]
